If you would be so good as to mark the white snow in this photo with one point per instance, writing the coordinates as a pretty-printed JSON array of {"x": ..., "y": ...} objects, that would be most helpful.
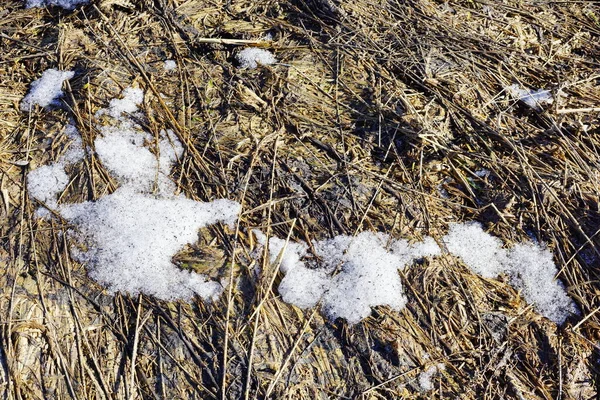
[
  {"x": 348, "y": 276},
  {"x": 66, "y": 4},
  {"x": 250, "y": 57},
  {"x": 75, "y": 152},
  {"x": 353, "y": 274},
  {"x": 170, "y": 65},
  {"x": 47, "y": 182},
  {"x": 532, "y": 271},
  {"x": 128, "y": 104},
  {"x": 131, "y": 235},
  {"x": 426, "y": 377},
  {"x": 131, "y": 238},
  {"x": 369, "y": 276},
  {"x": 46, "y": 90},
  {"x": 532, "y": 98},
  {"x": 529, "y": 266},
  {"x": 481, "y": 252}
]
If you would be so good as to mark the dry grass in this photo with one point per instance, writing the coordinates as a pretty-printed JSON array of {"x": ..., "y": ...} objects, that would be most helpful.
[{"x": 377, "y": 118}]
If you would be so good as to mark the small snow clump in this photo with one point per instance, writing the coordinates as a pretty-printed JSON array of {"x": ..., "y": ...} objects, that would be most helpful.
[
  {"x": 425, "y": 377},
  {"x": 532, "y": 98},
  {"x": 532, "y": 271},
  {"x": 368, "y": 277},
  {"x": 131, "y": 98},
  {"x": 46, "y": 182},
  {"x": 250, "y": 57},
  {"x": 75, "y": 152},
  {"x": 46, "y": 90},
  {"x": 170, "y": 65}
]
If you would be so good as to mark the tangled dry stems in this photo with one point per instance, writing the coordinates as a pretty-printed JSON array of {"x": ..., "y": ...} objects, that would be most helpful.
[{"x": 380, "y": 116}]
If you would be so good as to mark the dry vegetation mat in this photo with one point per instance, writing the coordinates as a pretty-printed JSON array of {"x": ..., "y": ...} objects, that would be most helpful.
[{"x": 299, "y": 199}]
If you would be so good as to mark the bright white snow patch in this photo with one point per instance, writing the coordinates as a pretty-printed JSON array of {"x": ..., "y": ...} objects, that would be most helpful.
[
  {"x": 132, "y": 238},
  {"x": 128, "y": 104},
  {"x": 132, "y": 234},
  {"x": 532, "y": 98},
  {"x": 66, "y": 4},
  {"x": 46, "y": 90},
  {"x": 481, "y": 252},
  {"x": 170, "y": 65},
  {"x": 250, "y": 57},
  {"x": 532, "y": 271},
  {"x": 354, "y": 274},
  {"x": 47, "y": 182},
  {"x": 529, "y": 266}
]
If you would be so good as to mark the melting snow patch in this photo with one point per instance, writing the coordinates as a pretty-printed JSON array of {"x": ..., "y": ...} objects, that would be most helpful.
[
  {"x": 132, "y": 97},
  {"x": 481, "y": 252},
  {"x": 46, "y": 90},
  {"x": 75, "y": 150},
  {"x": 47, "y": 182},
  {"x": 533, "y": 272},
  {"x": 355, "y": 273},
  {"x": 250, "y": 57},
  {"x": 529, "y": 266},
  {"x": 132, "y": 237},
  {"x": 532, "y": 98},
  {"x": 132, "y": 233}
]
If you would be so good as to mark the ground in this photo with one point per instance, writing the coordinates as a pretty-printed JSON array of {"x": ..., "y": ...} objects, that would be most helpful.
[{"x": 390, "y": 116}]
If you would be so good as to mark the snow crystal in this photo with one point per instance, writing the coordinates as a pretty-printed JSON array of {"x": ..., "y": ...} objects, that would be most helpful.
[
  {"x": 170, "y": 65},
  {"x": 66, "y": 4},
  {"x": 131, "y": 235},
  {"x": 250, "y": 57},
  {"x": 529, "y": 266},
  {"x": 532, "y": 98},
  {"x": 46, "y": 90}
]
